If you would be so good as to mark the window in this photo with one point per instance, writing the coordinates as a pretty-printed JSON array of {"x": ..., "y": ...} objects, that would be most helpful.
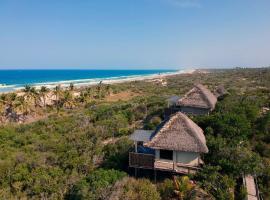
[
  {"x": 166, "y": 154},
  {"x": 139, "y": 143}
]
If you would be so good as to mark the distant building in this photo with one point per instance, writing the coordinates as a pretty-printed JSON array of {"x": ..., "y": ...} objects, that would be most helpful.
[
  {"x": 176, "y": 146},
  {"x": 199, "y": 100},
  {"x": 220, "y": 92},
  {"x": 172, "y": 101}
]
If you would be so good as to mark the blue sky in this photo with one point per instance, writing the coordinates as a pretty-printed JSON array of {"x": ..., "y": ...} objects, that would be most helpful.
[{"x": 128, "y": 34}]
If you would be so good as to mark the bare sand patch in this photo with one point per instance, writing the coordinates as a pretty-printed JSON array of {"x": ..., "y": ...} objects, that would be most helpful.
[{"x": 124, "y": 96}]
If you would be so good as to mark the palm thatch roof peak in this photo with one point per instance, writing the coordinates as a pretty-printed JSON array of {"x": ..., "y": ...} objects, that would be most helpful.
[
  {"x": 179, "y": 133},
  {"x": 199, "y": 96}
]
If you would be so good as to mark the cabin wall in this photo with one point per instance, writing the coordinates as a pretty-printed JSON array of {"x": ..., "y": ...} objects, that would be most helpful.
[
  {"x": 189, "y": 158},
  {"x": 157, "y": 154},
  {"x": 171, "y": 110},
  {"x": 195, "y": 111}
]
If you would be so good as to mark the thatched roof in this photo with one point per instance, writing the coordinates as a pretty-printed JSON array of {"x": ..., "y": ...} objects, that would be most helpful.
[
  {"x": 199, "y": 97},
  {"x": 220, "y": 91},
  {"x": 179, "y": 133}
]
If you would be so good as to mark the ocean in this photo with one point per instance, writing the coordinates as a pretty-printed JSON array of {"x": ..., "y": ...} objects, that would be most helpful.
[{"x": 11, "y": 80}]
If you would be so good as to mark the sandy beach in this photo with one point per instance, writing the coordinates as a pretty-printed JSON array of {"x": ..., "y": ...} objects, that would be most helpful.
[{"x": 112, "y": 80}]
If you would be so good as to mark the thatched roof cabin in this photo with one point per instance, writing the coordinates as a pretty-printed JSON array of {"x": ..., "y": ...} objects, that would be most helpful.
[
  {"x": 175, "y": 146},
  {"x": 220, "y": 91},
  {"x": 179, "y": 133},
  {"x": 199, "y": 97}
]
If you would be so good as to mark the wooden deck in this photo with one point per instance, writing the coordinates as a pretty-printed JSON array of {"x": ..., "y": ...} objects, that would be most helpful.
[
  {"x": 141, "y": 160},
  {"x": 175, "y": 167},
  {"x": 148, "y": 161},
  {"x": 252, "y": 188}
]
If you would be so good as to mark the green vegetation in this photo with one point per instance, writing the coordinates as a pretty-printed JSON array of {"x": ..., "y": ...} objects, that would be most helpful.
[{"x": 79, "y": 149}]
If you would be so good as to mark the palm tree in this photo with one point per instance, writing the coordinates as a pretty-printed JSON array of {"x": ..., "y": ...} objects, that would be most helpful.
[
  {"x": 21, "y": 105},
  {"x": 34, "y": 95},
  {"x": 71, "y": 87},
  {"x": 68, "y": 100},
  {"x": 2, "y": 106},
  {"x": 9, "y": 103},
  {"x": 10, "y": 100},
  {"x": 182, "y": 186},
  {"x": 108, "y": 89},
  {"x": 2, "y": 101},
  {"x": 99, "y": 89},
  {"x": 27, "y": 92},
  {"x": 43, "y": 93},
  {"x": 57, "y": 92}
]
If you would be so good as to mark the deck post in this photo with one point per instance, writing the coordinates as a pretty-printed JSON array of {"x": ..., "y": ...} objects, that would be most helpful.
[
  {"x": 155, "y": 175},
  {"x": 136, "y": 172},
  {"x": 136, "y": 147}
]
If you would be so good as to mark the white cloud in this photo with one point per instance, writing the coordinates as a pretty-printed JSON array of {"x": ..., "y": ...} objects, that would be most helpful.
[{"x": 185, "y": 3}]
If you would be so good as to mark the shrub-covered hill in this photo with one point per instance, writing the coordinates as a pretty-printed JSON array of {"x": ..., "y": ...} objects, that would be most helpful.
[{"x": 71, "y": 153}]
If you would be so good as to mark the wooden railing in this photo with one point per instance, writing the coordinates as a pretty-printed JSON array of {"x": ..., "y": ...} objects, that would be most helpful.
[
  {"x": 141, "y": 160},
  {"x": 175, "y": 167},
  {"x": 148, "y": 161},
  {"x": 164, "y": 165}
]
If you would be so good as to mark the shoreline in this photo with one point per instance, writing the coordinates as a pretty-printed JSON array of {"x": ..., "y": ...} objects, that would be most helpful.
[{"x": 81, "y": 83}]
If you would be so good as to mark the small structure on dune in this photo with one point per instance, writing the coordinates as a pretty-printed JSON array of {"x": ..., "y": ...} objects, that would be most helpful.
[
  {"x": 172, "y": 101},
  {"x": 199, "y": 100},
  {"x": 176, "y": 146},
  {"x": 220, "y": 92}
]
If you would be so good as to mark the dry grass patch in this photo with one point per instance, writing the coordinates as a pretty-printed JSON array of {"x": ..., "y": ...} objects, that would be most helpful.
[{"x": 123, "y": 96}]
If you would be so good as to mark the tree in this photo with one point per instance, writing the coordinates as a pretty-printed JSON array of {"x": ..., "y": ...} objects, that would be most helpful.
[
  {"x": 43, "y": 94},
  {"x": 71, "y": 87},
  {"x": 35, "y": 96},
  {"x": 22, "y": 105},
  {"x": 108, "y": 89},
  {"x": 96, "y": 185},
  {"x": 2, "y": 105},
  {"x": 2, "y": 109},
  {"x": 183, "y": 187},
  {"x": 67, "y": 99},
  {"x": 27, "y": 92},
  {"x": 166, "y": 189},
  {"x": 30, "y": 95},
  {"x": 57, "y": 93},
  {"x": 99, "y": 89},
  {"x": 132, "y": 189},
  {"x": 8, "y": 101},
  {"x": 116, "y": 155},
  {"x": 216, "y": 184}
]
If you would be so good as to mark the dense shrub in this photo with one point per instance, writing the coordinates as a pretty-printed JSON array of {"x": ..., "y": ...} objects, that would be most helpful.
[
  {"x": 116, "y": 154},
  {"x": 166, "y": 189},
  {"x": 220, "y": 186},
  {"x": 96, "y": 185},
  {"x": 132, "y": 189}
]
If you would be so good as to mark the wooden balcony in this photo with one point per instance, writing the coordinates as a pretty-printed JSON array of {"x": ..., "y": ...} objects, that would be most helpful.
[
  {"x": 175, "y": 167},
  {"x": 148, "y": 161},
  {"x": 141, "y": 160}
]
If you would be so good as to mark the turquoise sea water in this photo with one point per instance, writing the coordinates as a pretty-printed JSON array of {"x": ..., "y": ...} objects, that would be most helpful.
[{"x": 11, "y": 80}]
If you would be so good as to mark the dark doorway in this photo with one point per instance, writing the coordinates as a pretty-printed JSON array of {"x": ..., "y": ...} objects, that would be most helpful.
[{"x": 166, "y": 154}]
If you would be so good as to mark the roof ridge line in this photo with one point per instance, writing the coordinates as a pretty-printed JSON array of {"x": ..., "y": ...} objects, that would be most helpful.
[{"x": 205, "y": 96}]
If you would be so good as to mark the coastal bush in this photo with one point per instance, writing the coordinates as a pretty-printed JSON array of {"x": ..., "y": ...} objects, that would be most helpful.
[
  {"x": 216, "y": 184},
  {"x": 153, "y": 123},
  {"x": 47, "y": 158},
  {"x": 96, "y": 185},
  {"x": 166, "y": 189},
  {"x": 141, "y": 189},
  {"x": 116, "y": 154}
]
